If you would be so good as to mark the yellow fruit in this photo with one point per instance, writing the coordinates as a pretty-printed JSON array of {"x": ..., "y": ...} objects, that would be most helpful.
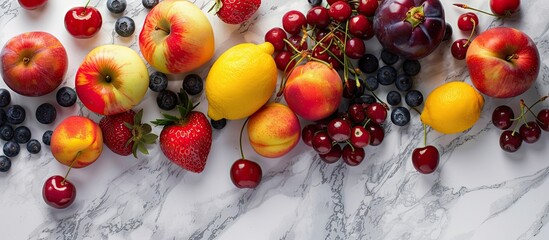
[
  {"x": 452, "y": 107},
  {"x": 240, "y": 81}
]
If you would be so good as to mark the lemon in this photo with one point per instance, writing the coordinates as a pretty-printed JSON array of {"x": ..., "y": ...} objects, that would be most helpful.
[
  {"x": 452, "y": 107},
  {"x": 240, "y": 81}
]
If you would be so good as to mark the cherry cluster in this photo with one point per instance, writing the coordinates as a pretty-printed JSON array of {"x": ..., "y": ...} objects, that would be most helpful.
[
  {"x": 503, "y": 118},
  {"x": 345, "y": 134},
  {"x": 467, "y": 22}
]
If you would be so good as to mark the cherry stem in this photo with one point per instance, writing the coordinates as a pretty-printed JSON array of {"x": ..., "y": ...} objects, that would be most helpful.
[
  {"x": 465, "y": 6},
  {"x": 424, "y": 134},
  {"x": 70, "y": 167},
  {"x": 240, "y": 138},
  {"x": 472, "y": 33},
  {"x": 524, "y": 108}
]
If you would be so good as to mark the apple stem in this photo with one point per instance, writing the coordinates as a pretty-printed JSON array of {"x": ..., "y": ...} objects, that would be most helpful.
[
  {"x": 511, "y": 57},
  {"x": 26, "y": 60},
  {"x": 465, "y": 6},
  {"x": 161, "y": 28},
  {"x": 240, "y": 138},
  {"x": 70, "y": 167}
]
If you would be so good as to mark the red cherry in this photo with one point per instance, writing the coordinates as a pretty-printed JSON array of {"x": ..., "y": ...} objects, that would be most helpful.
[
  {"x": 83, "y": 22},
  {"x": 318, "y": 16},
  {"x": 322, "y": 143},
  {"x": 530, "y": 132},
  {"x": 245, "y": 173},
  {"x": 32, "y": 4},
  {"x": 361, "y": 27},
  {"x": 339, "y": 130},
  {"x": 297, "y": 42},
  {"x": 320, "y": 53},
  {"x": 510, "y": 141},
  {"x": 467, "y": 21},
  {"x": 355, "y": 48},
  {"x": 360, "y": 137},
  {"x": 376, "y": 133},
  {"x": 504, "y": 7},
  {"x": 332, "y": 156},
  {"x": 340, "y": 11},
  {"x": 543, "y": 119},
  {"x": 308, "y": 132},
  {"x": 283, "y": 60},
  {"x": 377, "y": 112},
  {"x": 425, "y": 159},
  {"x": 276, "y": 37},
  {"x": 293, "y": 21},
  {"x": 459, "y": 48},
  {"x": 58, "y": 192},
  {"x": 352, "y": 156},
  {"x": 367, "y": 7},
  {"x": 356, "y": 113},
  {"x": 502, "y": 117}
]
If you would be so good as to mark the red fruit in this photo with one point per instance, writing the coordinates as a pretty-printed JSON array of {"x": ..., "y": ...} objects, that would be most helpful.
[
  {"x": 298, "y": 42},
  {"x": 283, "y": 61},
  {"x": 332, "y": 156},
  {"x": 467, "y": 21},
  {"x": 318, "y": 16},
  {"x": 459, "y": 48},
  {"x": 186, "y": 140},
  {"x": 376, "y": 133},
  {"x": 340, "y": 11},
  {"x": 293, "y": 21},
  {"x": 124, "y": 134},
  {"x": 361, "y": 27},
  {"x": 246, "y": 173},
  {"x": 83, "y": 22},
  {"x": 360, "y": 137},
  {"x": 367, "y": 7},
  {"x": 322, "y": 143},
  {"x": 355, "y": 48},
  {"x": 339, "y": 130},
  {"x": 276, "y": 37},
  {"x": 530, "y": 132},
  {"x": 236, "y": 11},
  {"x": 425, "y": 159},
  {"x": 58, "y": 192},
  {"x": 32, "y": 4},
  {"x": 377, "y": 112},
  {"x": 510, "y": 141},
  {"x": 543, "y": 119},
  {"x": 504, "y": 7},
  {"x": 307, "y": 134},
  {"x": 352, "y": 156}
]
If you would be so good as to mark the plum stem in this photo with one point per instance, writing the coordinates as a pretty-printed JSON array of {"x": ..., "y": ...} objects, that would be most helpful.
[
  {"x": 415, "y": 16},
  {"x": 465, "y": 6},
  {"x": 240, "y": 138}
]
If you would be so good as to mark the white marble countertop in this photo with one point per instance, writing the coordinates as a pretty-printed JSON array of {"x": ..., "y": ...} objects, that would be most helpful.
[{"x": 478, "y": 192}]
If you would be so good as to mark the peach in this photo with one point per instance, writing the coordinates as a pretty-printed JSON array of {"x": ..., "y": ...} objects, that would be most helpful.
[
  {"x": 313, "y": 91},
  {"x": 77, "y": 141},
  {"x": 273, "y": 130}
]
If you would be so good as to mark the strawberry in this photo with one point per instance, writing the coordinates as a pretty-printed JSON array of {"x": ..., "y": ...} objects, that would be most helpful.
[
  {"x": 186, "y": 140},
  {"x": 124, "y": 134},
  {"x": 235, "y": 11}
]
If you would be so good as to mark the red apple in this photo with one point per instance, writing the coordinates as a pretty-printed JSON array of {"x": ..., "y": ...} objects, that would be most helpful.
[
  {"x": 33, "y": 63},
  {"x": 83, "y": 22},
  {"x": 32, "y": 4},
  {"x": 111, "y": 79},
  {"x": 58, "y": 192},
  {"x": 176, "y": 37},
  {"x": 503, "y": 62}
]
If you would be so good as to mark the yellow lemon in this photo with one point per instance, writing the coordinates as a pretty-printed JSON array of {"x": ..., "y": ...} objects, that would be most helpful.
[
  {"x": 452, "y": 107},
  {"x": 240, "y": 81}
]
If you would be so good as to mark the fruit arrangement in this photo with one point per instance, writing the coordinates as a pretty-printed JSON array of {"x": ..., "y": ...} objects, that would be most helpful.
[{"x": 334, "y": 78}]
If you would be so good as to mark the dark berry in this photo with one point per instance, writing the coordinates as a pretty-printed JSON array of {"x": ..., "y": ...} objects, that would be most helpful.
[
  {"x": 332, "y": 156},
  {"x": 116, "y": 6},
  {"x": 388, "y": 58},
  {"x": 400, "y": 116},
  {"x": 411, "y": 67},
  {"x": 3, "y": 117},
  {"x": 166, "y": 100},
  {"x": 46, "y": 113},
  {"x": 5, "y": 164},
  {"x": 314, "y": 2},
  {"x": 16, "y": 114},
  {"x": 149, "y": 4},
  {"x": 34, "y": 146},
  {"x": 21, "y": 134},
  {"x": 366, "y": 99},
  {"x": 124, "y": 26},
  {"x": 413, "y": 98},
  {"x": 66, "y": 97},
  {"x": 393, "y": 98},
  {"x": 158, "y": 81},
  {"x": 502, "y": 117},
  {"x": 386, "y": 75},
  {"x": 371, "y": 83},
  {"x": 46, "y": 137},
  {"x": 368, "y": 63},
  {"x": 193, "y": 84},
  {"x": 6, "y": 132},
  {"x": 11, "y": 148},
  {"x": 530, "y": 132},
  {"x": 510, "y": 141},
  {"x": 5, "y": 97},
  {"x": 218, "y": 124},
  {"x": 403, "y": 82}
]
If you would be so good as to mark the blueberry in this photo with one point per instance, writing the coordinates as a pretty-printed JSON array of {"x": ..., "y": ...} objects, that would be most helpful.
[
  {"x": 166, "y": 99},
  {"x": 21, "y": 134},
  {"x": 149, "y": 4},
  {"x": 393, "y": 98},
  {"x": 11, "y": 148},
  {"x": 6, "y": 132},
  {"x": 388, "y": 58},
  {"x": 46, "y": 113},
  {"x": 218, "y": 124},
  {"x": 315, "y": 2},
  {"x": 5, "y": 163},
  {"x": 386, "y": 75},
  {"x": 413, "y": 98},
  {"x": 158, "y": 81},
  {"x": 46, "y": 137},
  {"x": 403, "y": 82},
  {"x": 116, "y": 6},
  {"x": 447, "y": 32},
  {"x": 400, "y": 116},
  {"x": 65, "y": 97},
  {"x": 5, "y": 97},
  {"x": 34, "y": 146},
  {"x": 366, "y": 98},
  {"x": 193, "y": 84},
  {"x": 16, "y": 114},
  {"x": 411, "y": 67},
  {"x": 371, "y": 83},
  {"x": 124, "y": 26},
  {"x": 368, "y": 63},
  {"x": 3, "y": 117}
]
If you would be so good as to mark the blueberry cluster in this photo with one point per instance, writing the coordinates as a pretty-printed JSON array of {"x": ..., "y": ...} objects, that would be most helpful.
[
  {"x": 13, "y": 131},
  {"x": 124, "y": 26}
]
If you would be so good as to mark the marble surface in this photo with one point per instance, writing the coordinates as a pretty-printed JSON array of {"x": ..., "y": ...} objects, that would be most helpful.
[{"x": 478, "y": 192}]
